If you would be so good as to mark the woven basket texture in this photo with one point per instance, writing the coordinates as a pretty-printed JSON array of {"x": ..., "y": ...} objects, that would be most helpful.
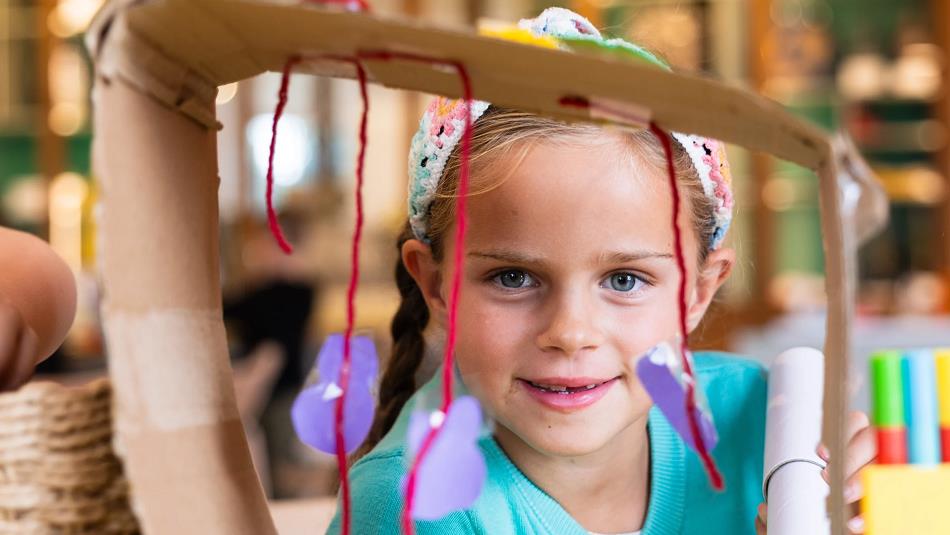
[{"x": 58, "y": 472}]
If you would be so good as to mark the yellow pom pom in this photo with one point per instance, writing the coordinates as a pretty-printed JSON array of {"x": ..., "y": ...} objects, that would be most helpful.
[{"x": 508, "y": 32}]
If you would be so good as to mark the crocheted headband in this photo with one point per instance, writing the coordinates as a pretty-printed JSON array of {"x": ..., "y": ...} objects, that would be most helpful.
[{"x": 443, "y": 124}]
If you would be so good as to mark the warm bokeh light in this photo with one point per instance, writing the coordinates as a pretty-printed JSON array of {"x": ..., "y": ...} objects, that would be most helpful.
[
  {"x": 67, "y": 192},
  {"x": 68, "y": 82},
  {"x": 65, "y": 118},
  {"x": 25, "y": 201},
  {"x": 916, "y": 73},
  {"x": 71, "y": 17},
  {"x": 863, "y": 76}
]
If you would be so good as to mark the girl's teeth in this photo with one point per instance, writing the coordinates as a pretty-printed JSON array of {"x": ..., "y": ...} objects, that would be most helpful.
[{"x": 563, "y": 389}]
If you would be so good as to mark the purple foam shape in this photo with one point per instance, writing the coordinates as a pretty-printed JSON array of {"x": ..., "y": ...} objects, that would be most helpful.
[
  {"x": 314, "y": 410},
  {"x": 669, "y": 394},
  {"x": 453, "y": 471}
]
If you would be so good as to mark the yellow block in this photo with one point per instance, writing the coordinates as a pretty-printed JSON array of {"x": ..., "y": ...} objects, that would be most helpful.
[
  {"x": 943, "y": 385},
  {"x": 906, "y": 500}
]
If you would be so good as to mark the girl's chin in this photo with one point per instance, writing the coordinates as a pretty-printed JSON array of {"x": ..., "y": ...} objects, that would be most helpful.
[
  {"x": 562, "y": 441},
  {"x": 567, "y": 447}
]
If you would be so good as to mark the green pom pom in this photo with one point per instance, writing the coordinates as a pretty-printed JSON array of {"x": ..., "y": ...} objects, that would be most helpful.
[{"x": 614, "y": 47}]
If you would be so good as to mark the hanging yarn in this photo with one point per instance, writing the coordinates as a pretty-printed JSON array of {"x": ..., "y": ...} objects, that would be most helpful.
[
  {"x": 426, "y": 435},
  {"x": 447, "y": 406},
  {"x": 460, "y": 230},
  {"x": 335, "y": 362},
  {"x": 269, "y": 195},
  {"x": 341, "y": 450},
  {"x": 710, "y": 465}
]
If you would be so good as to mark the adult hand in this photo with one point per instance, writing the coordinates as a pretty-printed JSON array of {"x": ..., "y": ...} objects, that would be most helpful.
[{"x": 18, "y": 347}]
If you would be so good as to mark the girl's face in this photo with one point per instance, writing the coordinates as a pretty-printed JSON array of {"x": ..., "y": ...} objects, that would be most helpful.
[{"x": 570, "y": 276}]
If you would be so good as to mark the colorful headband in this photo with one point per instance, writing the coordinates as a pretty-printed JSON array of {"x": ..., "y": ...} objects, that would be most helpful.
[{"x": 443, "y": 123}]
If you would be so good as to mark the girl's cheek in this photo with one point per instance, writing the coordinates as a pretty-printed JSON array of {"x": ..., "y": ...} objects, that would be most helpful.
[{"x": 489, "y": 333}]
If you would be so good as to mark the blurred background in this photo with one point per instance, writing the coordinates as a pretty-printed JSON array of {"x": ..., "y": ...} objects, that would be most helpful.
[{"x": 874, "y": 68}]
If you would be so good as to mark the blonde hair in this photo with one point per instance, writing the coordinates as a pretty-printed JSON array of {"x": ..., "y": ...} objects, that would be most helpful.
[{"x": 503, "y": 134}]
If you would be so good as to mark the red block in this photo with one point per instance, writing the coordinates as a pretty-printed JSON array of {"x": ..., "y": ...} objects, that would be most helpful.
[
  {"x": 892, "y": 445},
  {"x": 945, "y": 444}
]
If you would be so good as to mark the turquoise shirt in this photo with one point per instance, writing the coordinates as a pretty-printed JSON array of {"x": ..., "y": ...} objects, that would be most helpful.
[{"x": 681, "y": 499}]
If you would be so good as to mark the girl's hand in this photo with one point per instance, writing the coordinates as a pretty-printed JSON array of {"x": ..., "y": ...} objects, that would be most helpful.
[
  {"x": 861, "y": 450},
  {"x": 18, "y": 345}
]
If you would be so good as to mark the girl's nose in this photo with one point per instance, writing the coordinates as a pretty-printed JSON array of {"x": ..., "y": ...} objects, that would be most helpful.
[{"x": 573, "y": 326}]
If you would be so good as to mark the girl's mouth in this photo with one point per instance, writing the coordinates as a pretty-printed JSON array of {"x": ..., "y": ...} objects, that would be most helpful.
[{"x": 567, "y": 394}]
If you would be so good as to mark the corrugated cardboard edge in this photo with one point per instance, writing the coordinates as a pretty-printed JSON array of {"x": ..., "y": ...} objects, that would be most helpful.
[{"x": 122, "y": 54}]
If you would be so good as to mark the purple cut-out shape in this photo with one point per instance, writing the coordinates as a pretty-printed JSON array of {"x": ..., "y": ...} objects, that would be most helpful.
[
  {"x": 314, "y": 410},
  {"x": 670, "y": 396},
  {"x": 453, "y": 471}
]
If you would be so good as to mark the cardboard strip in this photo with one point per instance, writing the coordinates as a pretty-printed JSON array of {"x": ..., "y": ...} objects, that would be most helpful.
[
  {"x": 158, "y": 372},
  {"x": 839, "y": 287},
  {"x": 132, "y": 59},
  {"x": 176, "y": 422},
  {"x": 178, "y": 488},
  {"x": 230, "y": 40}
]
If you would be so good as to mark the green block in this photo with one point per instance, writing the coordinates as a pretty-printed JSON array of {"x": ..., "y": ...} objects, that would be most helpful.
[{"x": 887, "y": 392}]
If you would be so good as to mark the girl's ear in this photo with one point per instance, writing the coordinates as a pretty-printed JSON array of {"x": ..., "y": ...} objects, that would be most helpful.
[
  {"x": 417, "y": 257},
  {"x": 712, "y": 274}
]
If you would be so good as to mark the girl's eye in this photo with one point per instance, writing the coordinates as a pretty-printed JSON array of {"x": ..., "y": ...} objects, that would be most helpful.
[
  {"x": 514, "y": 279},
  {"x": 625, "y": 282}
]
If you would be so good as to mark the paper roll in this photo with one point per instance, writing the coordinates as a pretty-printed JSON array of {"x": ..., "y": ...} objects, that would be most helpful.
[{"x": 792, "y": 483}]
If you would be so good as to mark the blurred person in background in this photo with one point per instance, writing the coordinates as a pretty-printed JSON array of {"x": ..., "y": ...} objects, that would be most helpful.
[{"x": 268, "y": 318}]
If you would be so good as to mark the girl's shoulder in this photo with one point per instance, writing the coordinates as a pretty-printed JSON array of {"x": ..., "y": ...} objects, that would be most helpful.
[
  {"x": 744, "y": 379},
  {"x": 714, "y": 363},
  {"x": 736, "y": 388}
]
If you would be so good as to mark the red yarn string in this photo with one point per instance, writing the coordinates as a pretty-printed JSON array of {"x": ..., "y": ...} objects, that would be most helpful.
[
  {"x": 344, "y": 378},
  {"x": 345, "y": 367},
  {"x": 281, "y": 104},
  {"x": 361, "y": 5},
  {"x": 714, "y": 475},
  {"x": 461, "y": 224},
  {"x": 458, "y": 263}
]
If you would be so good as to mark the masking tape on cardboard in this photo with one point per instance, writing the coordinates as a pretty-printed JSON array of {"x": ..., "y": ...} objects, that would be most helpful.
[
  {"x": 123, "y": 54},
  {"x": 170, "y": 368}
]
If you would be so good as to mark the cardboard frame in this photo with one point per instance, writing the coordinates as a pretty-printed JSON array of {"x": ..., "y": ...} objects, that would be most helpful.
[{"x": 158, "y": 63}]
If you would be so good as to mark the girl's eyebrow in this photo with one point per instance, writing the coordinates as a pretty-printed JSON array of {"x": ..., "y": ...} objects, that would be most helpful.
[
  {"x": 609, "y": 257},
  {"x": 623, "y": 257},
  {"x": 505, "y": 255}
]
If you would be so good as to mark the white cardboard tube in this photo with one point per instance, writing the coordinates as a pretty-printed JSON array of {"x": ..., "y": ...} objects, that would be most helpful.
[{"x": 792, "y": 483}]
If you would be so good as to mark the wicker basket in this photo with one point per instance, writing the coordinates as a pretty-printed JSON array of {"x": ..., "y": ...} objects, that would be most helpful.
[{"x": 58, "y": 473}]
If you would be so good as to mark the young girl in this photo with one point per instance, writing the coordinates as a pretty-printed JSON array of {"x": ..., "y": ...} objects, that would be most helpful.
[{"x": 569, "y": 277}]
